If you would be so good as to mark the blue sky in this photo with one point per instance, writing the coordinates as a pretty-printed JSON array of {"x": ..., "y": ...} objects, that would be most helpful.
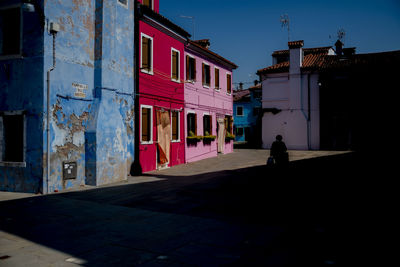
[{"x": 247, "y": 32}]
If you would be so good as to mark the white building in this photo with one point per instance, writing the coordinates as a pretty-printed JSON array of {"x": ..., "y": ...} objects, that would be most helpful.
[{"x": 290, "y": 96}]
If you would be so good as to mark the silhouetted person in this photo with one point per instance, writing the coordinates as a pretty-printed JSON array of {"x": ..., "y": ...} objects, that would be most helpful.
[{"x": 279, "y": 151}]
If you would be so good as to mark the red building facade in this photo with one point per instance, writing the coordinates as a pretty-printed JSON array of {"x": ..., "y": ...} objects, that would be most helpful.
[{"x": 161, "y": 89}]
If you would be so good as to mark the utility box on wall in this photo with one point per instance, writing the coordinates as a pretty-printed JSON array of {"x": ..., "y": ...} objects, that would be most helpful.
[{"x": 69, "y": 170}]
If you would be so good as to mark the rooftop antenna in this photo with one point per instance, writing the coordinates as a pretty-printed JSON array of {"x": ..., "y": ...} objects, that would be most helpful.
[
  {"x": 285, "y": 22},
  {"x": 192, "y": 18},
  {"x": 341, "y": 34}
]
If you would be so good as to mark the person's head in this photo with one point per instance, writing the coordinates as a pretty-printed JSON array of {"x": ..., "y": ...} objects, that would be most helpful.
[{"x": 279, "y": 137}]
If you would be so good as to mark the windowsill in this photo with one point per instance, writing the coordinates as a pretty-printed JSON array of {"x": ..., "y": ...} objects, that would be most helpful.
[
  {"x": 228, "y": 93},
  {"x": 190, "y": 81},
  {"x": 176, "y": 81},
  {"x": 12, "y": 164},
  {"x": 146, "y": 143},
  {"x": 217, "y": 89},
  {"x": 8, "y": 57},
  {"x": 175, "y": 141},
  {"x": 206, "y": 86},
  {"x": 150, "y": 72}
]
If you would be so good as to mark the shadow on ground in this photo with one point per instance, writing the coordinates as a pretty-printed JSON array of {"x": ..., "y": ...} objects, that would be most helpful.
[{"x": 308, "y": 214}]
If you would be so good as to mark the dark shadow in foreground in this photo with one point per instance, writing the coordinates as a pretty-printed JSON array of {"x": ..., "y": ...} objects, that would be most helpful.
[{"x": 307, "y": 214}]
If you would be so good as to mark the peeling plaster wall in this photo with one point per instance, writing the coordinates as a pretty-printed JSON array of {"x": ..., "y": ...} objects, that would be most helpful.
[
  {"x": 94, "y": 51},
  {"x": 21, "y": 88},
  {"x": 91, "y": 94}
]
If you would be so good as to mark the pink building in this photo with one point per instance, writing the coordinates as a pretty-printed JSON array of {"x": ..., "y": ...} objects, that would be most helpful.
[
  {"x": 161, "y": 90},
  {"x": 208, "y": 102}
]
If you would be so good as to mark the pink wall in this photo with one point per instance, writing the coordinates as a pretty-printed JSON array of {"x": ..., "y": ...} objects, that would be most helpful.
[
  {"x": 158, "y": 90},
  {"x": 203, "y": 100}
]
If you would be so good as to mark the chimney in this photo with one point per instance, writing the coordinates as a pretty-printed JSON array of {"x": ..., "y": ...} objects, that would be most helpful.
[
  {"x": 339, "y": 48},
  {"x": 295, "y": 56}
]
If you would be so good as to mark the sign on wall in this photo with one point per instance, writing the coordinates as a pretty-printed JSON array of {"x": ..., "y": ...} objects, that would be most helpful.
[{"x": 80, "y": 89}]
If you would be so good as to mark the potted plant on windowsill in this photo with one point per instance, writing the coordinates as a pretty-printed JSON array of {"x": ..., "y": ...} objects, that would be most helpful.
[
  {"x": 208, "y": 138},
  {"x": 229, "y": 137},
  {"x": 192, "y": 139}
]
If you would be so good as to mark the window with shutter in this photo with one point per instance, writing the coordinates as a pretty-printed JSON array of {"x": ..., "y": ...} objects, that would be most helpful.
[
  {"x": 206, "y": 75},
  {"x": 175, "y": 65},
  {"x": 190, "y": 68},
  {"x": 146, "y": 129},
  {"x": 147, "y": 52},
  {"x": 229, "y": 83},
  {"x": 148, "y": 3},
  {"x": 207, "y": 126},
  {"x": 175, "y": 125},
  {"x": 191, "y": 124},
  {"x": 216, "y": 78}
]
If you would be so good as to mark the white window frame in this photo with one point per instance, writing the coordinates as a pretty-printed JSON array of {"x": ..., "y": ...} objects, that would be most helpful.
[
  {"x": 193, "y": 80},
  {"x": 179, "y": 126},
  {"x": 219, "y": 78},
  {"x": 187, "y": 113},
  {"x": 151, "y": 54},
  {"x": 6, "y": 163},
  {"x": 179, "y": 65},
  {"x": 152, "y": 5},
  {"x": 151, "y": 125},
  {"x": 237, "y": 114},
  {"x": 204, "y": 84},
  {"x": 21, "y": 21},
  {"x": 124, "y": 5},
  {"x": 227, "y": 83},
  {"x": 211, "y": 120}
]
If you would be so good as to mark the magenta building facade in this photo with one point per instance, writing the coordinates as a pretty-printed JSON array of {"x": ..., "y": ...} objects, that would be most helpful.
[
  {"x": 208, "y": 102},
  {"x": 161, "y": 90}
]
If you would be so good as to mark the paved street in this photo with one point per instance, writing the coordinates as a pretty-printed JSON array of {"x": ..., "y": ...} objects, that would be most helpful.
[{"x": 226, "y": 211}]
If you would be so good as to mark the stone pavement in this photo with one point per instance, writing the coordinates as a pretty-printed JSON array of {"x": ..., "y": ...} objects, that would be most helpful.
[{"x": 226, "y": 211}]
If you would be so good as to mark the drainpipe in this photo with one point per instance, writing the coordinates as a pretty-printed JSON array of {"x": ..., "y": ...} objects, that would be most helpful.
[
  {"x": 53, "y": 31},
  {"x": 136, "y": 168}
]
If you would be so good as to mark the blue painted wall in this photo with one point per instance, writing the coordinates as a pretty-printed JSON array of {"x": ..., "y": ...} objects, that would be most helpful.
[
  {"x": 91, "y": 100},
  {"x": 249, "y": 119},
  {"x": 21, "y": 88}
]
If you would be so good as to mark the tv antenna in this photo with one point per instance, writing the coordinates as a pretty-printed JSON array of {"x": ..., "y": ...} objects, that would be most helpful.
[
  {"x": 341, "y": 34},
  {"x": 193, "y": 24},
  {"x": 285, "y": 23}
]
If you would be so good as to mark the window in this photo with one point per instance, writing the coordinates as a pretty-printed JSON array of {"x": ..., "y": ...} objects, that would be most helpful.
[
  {"x": 216, "y": 77},
  {"x": 175, "y": 125},
  {"x": 228, "y": 123},
  {"x": 228, "y": 83},
  {"x": 123, "y": 2},
  {"x": 12, "y": 137},
  {"x": 147, "y": 123},
  {"x": 190, "y": 68},
  {"x": 147, "y": 54},
  {"x": 206, "y": 75},
  {"x": 239, "y": 111},
  {"x": 191, "y": 124},
  {"x": 148, "y": 3},
  {"x": 207, "y": 126},
  {"x": 239, "y": 131},
  {"x": 10, "y": 31},
  {"x": 175, "y": 65}
]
